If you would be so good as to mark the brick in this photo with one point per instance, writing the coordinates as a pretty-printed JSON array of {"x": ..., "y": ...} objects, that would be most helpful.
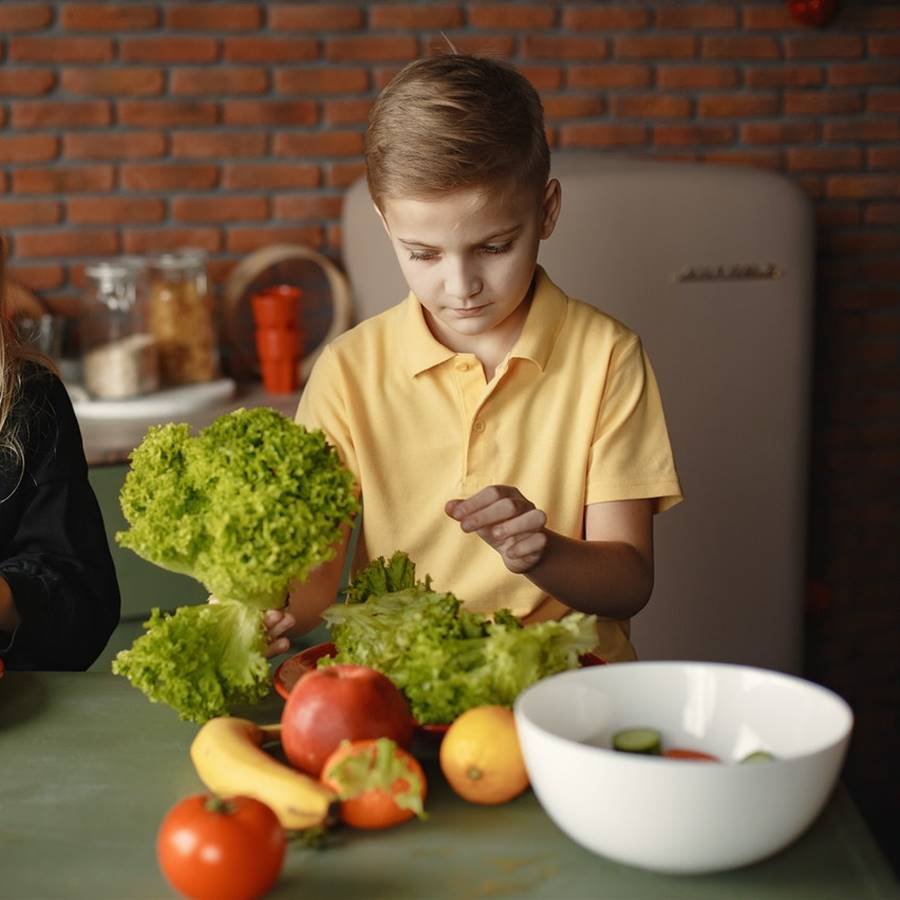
[
  {"x": 686, "y": 135},
  {"x": 862, "y": 241},
  {"x": 218, "y": 80},
  {"x": 543, "y": 78},
  {"x": 217, "y": 144},
  {"x": 263, "y": 176},
  {"x": 503, "y": 15},
  {"x": 71, "y": 242},
  {"x": 696, "y": 77},
  {"x": 780, "y": 132},
  {"x": 270, "y": 49},
  {"x": 602, "y": 134},
  {"x": 341, "y": 175},
  {"x": 114, "y": 145},
  {"x": 334, "y": 238},
  {"x": 170, "y": 48},
  {"x": 652, "y": 106},
  {"x": 884, "y": 158},
  {"x": 696, "y": 16},
  {"x": 278, "y": 113},
  {"x": 737, "y": 106},
  {"x": 605, "y": 18},
  {"x": 169, "y": 176},
  {"x": 371, "y": 48},
  {"x": 213, "y": 17},
  {"x": 317, "y": 17},
  {"x": 316, "y": 82},
  {"x": 883, "y": 101},
  {"x": 883, "y": 45},
  {"x": 655, "y": 47},
  {"x": 107, "y": 17},
  {"x": 494, "y": 45},
  {"x": 28, "y": 148},
  {"x": 308, "y": 206},
  {"x": 823, "y": 159},
  {"x": 165, "y": 240},
  {"x": 245, "y": 240},
  {"x": 783, "y": 76},
  {"x": 383, "y": 74},
  {"x": 819, "y": 103},
  {"x": 827, "y": 46},
  {"x": 863, "y": 186},
  {"x": 166, "y": 113},
  {"x": 114, "y": 210},
  {"x": 740, "y": 47},
  {"x": 39, "y": 277},
  {"x": 413, "y": 16},
  {"x": 834, "y": 214},
  {"x": 863, "y": 130},
  {"x": 858, "y": 74},
  {"x": 857, "y": 16},
  {"x": 220, "y": 209},
  {"x": 63, "y": 180},
  {"x": 883, "y": 214},
  {"x": 28, "y": 115},
  {"x": 60, "y": 49},
  {"x": 768, "y": 18},
  {"x": 611, "y": 75},
  {"x": 16, "y": 17},
  {"x": 26, "y": 82},
  {"x": 109, "y": 82},
  {"x": 755, "y": 159},
  {"x": 323, "y": 143},
  {"x": 538, "y": 46},
  {"x": 569, "y": 106},
  {"x": 25, "y": 213},
  {"x": 347, "y": 112}
]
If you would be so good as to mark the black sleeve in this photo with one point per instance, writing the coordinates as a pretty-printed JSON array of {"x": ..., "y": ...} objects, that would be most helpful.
[{"x": 54, "y": 552}]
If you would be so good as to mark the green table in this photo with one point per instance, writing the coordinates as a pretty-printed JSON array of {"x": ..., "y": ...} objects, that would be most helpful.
[{"x": 90, "y": 768}]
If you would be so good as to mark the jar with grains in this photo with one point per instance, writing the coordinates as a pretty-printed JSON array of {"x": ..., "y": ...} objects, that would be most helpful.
[
  {"x": 181, "y": 319},
  {"x": 118, "y": 353}
]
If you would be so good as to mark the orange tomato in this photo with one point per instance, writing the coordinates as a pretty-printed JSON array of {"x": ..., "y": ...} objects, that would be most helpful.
[
  {"x": 378, "y": 782},
  {"x": 684, "y": 753}
]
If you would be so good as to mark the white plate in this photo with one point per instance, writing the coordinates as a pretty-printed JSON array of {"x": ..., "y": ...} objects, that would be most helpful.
[{"x": 166, "y": 404}]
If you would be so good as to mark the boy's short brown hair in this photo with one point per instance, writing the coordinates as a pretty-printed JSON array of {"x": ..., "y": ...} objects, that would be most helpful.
[{"x": 455, "y": 121}]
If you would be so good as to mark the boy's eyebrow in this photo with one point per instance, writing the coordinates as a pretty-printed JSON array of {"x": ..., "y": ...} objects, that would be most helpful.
[{"x": 510, "y": 232}]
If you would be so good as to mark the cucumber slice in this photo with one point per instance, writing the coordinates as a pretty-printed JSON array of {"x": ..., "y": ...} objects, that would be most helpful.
[
  {"x": 638, "y": 740},
  {"x": 758, "y": 756}
]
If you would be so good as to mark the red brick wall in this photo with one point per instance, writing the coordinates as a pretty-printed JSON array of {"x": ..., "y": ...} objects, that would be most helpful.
[{"x": 133, "y": 127}]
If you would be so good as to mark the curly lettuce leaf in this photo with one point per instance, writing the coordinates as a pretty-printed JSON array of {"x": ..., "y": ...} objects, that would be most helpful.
[
  {"x": 380, "y": 577},
  {"x": 201, "y": 660}
]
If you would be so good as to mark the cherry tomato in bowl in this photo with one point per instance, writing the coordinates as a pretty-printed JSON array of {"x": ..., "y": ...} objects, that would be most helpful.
[{"x": 214, "y": 849}]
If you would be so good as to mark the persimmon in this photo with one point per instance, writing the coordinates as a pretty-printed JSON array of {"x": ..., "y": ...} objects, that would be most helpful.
[{"x": 378, "y": 782}]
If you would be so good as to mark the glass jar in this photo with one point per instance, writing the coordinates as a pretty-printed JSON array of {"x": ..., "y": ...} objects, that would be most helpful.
[
  {"x": 118, "y": 354},
  {"x": 181, "y": 319}
]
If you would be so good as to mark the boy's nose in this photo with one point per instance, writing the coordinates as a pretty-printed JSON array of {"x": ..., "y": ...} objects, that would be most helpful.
[{"x": 462, "y": 283}]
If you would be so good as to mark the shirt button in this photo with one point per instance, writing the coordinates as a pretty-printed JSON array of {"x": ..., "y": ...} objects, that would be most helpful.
[
  {"x": 462, "y": 367},
  {"x": 478, "y": 427}
]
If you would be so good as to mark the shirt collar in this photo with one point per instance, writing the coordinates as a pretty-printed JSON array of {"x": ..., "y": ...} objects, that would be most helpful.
[{"x": 545, "y": 318}]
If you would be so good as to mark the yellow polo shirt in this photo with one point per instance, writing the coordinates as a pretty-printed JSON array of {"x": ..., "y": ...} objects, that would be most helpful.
[{"x": 571, "y": 417}]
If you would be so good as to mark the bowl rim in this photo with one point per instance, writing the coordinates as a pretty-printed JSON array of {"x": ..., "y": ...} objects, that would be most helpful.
[{"x": 640, "y": 759}]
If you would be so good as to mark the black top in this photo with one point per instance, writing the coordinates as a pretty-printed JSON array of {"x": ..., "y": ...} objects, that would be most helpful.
[{"x": 53, "y": 548}]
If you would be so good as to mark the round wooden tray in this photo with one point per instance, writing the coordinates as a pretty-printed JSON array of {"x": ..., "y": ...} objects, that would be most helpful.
[{"x": 326, "y": 306}]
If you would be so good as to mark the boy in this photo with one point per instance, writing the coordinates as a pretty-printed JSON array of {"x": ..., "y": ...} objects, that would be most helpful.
[{"x": 510, "y": 439}]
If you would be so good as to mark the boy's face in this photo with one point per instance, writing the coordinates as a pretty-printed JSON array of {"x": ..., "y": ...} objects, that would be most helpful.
[{"x": 470, "y": 255}]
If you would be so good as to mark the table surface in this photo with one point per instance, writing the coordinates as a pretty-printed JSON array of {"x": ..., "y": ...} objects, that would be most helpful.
[{"x": 90, "y": 768}]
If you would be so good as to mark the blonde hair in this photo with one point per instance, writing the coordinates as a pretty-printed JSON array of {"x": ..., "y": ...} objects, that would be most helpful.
[
  {"x": 13, "y": 354},
  {"x": 455, "y": 121}
]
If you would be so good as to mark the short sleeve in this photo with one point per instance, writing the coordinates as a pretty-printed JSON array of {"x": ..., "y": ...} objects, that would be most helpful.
[
  {"x": 323, "y": 405},
  {"x": 631, "y": 456}
]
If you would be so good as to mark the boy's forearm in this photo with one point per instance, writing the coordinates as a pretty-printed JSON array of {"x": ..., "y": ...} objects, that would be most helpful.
[{"x": 607, "y": 578}]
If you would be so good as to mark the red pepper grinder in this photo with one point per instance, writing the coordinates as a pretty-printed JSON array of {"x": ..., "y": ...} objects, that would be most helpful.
[{"x": 278, "y": 336}]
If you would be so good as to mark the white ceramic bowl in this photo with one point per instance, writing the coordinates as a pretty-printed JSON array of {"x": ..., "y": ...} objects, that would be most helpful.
[{"x": 671, "y": 815}]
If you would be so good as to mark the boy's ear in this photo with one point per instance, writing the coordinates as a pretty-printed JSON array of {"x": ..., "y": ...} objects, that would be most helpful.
[{"x": 550, "y": 207}]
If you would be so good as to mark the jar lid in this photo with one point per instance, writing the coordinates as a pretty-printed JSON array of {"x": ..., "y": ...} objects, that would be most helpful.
[
  {"x": 107, "y": 270},
  {"x": 187, "y": 258}
]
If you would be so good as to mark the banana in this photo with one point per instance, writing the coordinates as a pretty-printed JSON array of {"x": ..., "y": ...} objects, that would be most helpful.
[{"x": 228, "y": 756}]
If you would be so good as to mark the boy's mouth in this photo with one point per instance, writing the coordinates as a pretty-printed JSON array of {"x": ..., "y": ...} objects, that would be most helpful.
[{"x": 466, "y": 311}]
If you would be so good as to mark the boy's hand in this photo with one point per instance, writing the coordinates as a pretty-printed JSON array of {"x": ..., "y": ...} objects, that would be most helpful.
[
  {"x": 277, "y": 622},
  {"x": 509, "y": 522}
]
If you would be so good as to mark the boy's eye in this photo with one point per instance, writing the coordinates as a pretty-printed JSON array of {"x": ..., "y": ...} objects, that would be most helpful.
[
  {"x": 422, "y": 254},
  {"x": 496, "y": 248}
]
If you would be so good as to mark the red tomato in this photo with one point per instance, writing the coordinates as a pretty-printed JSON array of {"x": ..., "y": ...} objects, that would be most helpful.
[
  {"x": 337, "y": 703},
  {"x": 683, "y": 753},
  {"x": 212, "y": 849},
  {"x": 813, "y": 12},
  {"x": 375, "y": 805}
]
